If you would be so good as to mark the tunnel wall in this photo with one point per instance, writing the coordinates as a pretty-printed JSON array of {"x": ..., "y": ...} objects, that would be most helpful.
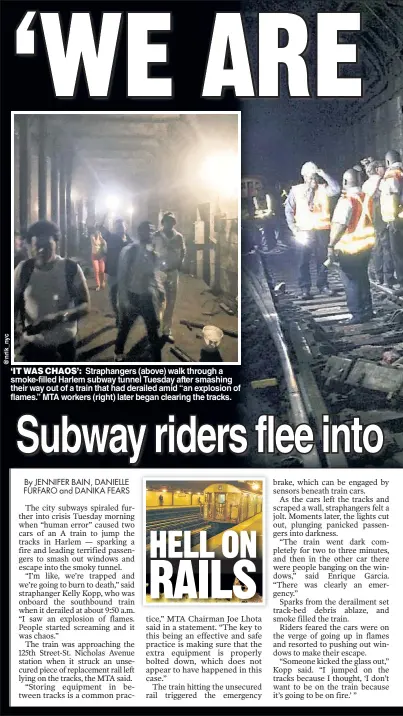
[
  {"x": 34, "y": 184},
  {"x": 16, "y": 206},
  {"x": 228, "y": 256},
  {"x": 372, "y": 126},
  {"x": 183, "y": 499},
  {"x": 152, "y": 498}
]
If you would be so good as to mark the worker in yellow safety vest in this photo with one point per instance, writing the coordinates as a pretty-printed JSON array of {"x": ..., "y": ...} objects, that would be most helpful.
[
  {"x": 392, "y": 209},
  {"x": 352, "y": 237},
  {"x": 307, "y": 211}
]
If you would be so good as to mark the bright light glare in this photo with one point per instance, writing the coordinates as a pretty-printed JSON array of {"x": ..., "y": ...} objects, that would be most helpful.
[
  {"x": 130, "y": 210},
  {"x": 73, "y": 195},
  {"x": 220, "y": 172},
  {"x": 302, "y": 237},
  {"x": 112, "y": 202},
  {"x": 268, "y": 203},
  {"x": 262, "y": 213}
]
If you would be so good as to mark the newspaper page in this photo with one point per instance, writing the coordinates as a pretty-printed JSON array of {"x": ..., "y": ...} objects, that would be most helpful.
[{"x": 217, "y": 183}]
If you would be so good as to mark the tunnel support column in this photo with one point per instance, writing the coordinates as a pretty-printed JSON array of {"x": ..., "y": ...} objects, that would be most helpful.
[
  {"x": 54, "y": 184},
  {"x": 134, "y": 218},
  {"x": 25, "y": 172},
  {"x": 42, "y": 168},
  {"x": 62, "y": 204},
  {"x": 80, "y": 226},
  {"x": 91, "y": 213},
  {"x": 69, "y": 223}
]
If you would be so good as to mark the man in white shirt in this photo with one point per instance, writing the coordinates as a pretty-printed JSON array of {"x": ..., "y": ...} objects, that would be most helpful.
[
  {"x": 169, "y": 245},
  {"x": 307, "y": 212},
  {"x": 50, "y": 295}
]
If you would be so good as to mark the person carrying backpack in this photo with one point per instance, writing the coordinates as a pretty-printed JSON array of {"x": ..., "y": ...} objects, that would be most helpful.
[{"x": 50, "y": 295}]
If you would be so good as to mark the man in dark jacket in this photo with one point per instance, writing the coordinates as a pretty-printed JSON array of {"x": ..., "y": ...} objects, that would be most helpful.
[
  {"x": 141, "y": 293},
  {"x": 115, "y": 241}
]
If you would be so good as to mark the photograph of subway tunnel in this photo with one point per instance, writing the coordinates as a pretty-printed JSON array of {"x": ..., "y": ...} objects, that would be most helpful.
[
  {"x": 203, "y": 541},
  {"x": 126, "y": 237}
]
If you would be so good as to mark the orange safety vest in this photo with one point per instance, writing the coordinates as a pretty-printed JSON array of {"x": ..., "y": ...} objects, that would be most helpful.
[
  {"x": 318, "y": 217},
  {"x": 392, "y": 204},
  {"x": 360, "y": 233}
]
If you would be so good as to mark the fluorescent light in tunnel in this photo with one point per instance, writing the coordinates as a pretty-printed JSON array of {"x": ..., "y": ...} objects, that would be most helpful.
[
  {"x": 220, "y": 172},
  {"x": 112, "y": 202}
]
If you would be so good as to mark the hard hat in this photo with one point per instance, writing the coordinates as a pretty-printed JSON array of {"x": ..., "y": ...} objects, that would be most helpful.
[
  {"x": 366, "y": 161},
  {"x": 308, "y": 169},
  {"x": 351, "y": 178},
  {"x": 391, "y": 157},
  {"x": 373, "y": 167}
]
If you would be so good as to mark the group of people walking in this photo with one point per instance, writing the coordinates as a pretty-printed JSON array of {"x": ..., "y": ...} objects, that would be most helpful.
[
  {"x": 51, "y": 292},
  {"x": 365, "y": 224}
]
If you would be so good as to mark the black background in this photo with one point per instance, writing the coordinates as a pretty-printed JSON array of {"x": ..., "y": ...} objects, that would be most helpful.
[{"x": 27, "y": 85}]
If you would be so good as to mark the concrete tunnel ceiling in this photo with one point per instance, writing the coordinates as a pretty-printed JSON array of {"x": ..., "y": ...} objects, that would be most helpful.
[
  {"x": 380, "y": 39},
  {"x": 127, "y": 149},
  {"x": 281, "y": 134}
]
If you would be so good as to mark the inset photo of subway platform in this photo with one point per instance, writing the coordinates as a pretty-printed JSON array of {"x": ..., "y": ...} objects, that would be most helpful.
[
  {"x": 211, "y": 526},
  {"x": 126, "y": 237}
]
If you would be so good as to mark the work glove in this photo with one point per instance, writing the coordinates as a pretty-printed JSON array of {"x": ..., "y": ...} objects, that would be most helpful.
[
  {"x": 331, "y": 257},
  {"x": 302, "y": 238}
]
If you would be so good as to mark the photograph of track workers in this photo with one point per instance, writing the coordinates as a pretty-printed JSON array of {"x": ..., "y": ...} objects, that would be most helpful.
[{"x": 322, "y": 248}]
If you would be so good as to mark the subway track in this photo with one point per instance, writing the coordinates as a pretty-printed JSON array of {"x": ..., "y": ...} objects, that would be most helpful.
[
  {"x": 322, "y": 367},
  {"x": 182, "y": 519},
  {"x": 158, "y": 517},
  {"x": 172, "y": 519}
]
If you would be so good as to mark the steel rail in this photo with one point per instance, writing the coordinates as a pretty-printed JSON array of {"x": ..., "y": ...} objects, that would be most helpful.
[
  {"x": 314, "y": 402},
  {"x": 395, "y": 297},
  {"x": 264, "y": 301}
]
